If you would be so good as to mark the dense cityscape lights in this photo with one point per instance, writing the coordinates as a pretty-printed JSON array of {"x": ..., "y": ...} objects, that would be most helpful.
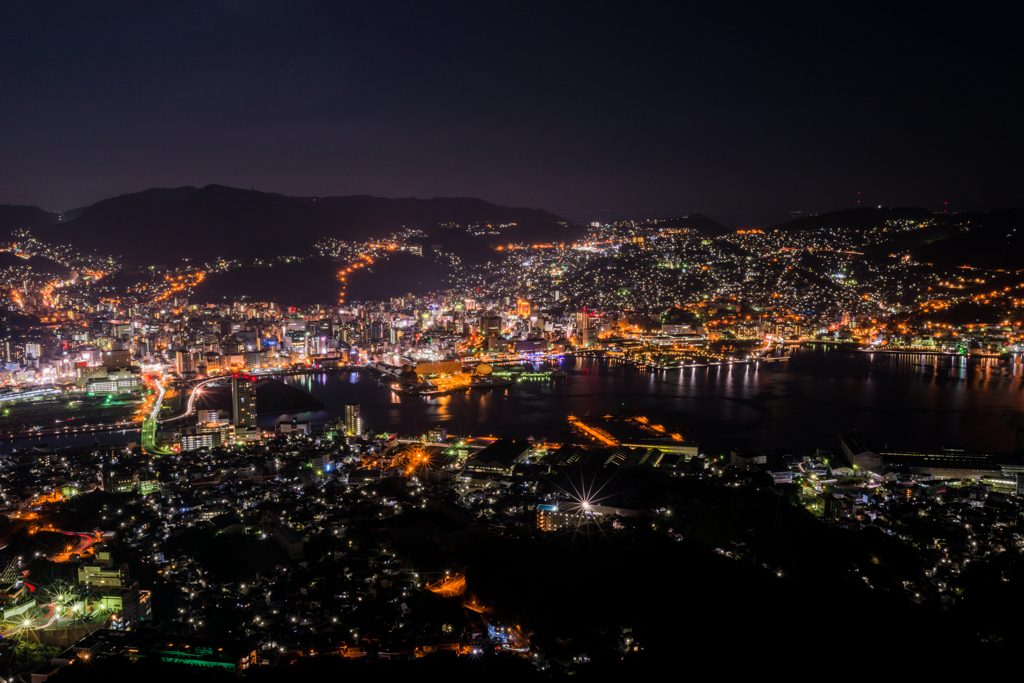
[
  {"x": 135, "y": 352},
  {"x": 506, "y": 342}
]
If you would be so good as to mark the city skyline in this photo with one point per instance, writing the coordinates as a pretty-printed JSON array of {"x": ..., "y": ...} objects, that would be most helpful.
[{"x": 470, "y": 341}]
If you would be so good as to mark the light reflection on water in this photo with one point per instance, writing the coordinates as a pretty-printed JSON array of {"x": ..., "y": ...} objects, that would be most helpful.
[
  {"x": 806, "y": 402},
  {"x": 909, "y": 401}
]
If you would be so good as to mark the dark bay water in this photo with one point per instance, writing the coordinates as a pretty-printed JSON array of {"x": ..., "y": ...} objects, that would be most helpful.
[
  {"x": 806, "y": 402},
  {"x": 803, "y": 403}
]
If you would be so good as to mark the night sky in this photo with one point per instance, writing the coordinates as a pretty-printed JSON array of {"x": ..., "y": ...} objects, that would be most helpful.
[{"x": 744, "y": 113}]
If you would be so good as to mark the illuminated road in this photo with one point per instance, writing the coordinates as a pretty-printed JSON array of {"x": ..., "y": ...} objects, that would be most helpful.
[
  {"x": 594, "y": 432},
  {"x": 28, "y": 624},
  {"x": 51, "y": 617},
  {"x": 151, "y": 421},
  {"x": 84, "y": 544},
  {"x": 450, "y": 587},
  {"x": 149, "y": 425},
  {"x": 49, "y": 613},
  {"x": 190, "y": 407}
]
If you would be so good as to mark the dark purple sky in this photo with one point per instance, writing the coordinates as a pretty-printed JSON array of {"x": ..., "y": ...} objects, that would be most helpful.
[{"x": 742, "y": 112}]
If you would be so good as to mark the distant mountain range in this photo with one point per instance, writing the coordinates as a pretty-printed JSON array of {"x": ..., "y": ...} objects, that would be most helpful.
[
  {"x": 992, "y": 239},
  {"x": 315, "y": 281},
  {"x": 167, "y": 225},
  {"x": 170, "y": 225},
  {"x": 856, "y": 219},
  {"x": 18, "y": 217}
]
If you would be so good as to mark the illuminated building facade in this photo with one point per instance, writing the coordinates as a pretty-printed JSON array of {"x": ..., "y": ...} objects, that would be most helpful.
[
  {"x": 112, "y": 590},
  {"x": 550, "y": 518},
  {"x": 243, "y": 408},
  {"x": 353, "y": 420},
  {"x": 490, "y": 325}
]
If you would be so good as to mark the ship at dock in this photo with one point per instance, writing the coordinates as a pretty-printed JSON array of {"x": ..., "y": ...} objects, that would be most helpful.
[
  {"x": 451, "y": 377},
  {"x": 425, "y": 379}
]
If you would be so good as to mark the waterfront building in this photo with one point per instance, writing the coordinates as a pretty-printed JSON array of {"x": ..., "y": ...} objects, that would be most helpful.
[
  {"x": 243, "y": 408},
  {"x": 353, "y": 420}
]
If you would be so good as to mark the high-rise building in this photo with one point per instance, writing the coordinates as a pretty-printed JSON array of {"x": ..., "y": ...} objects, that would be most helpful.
[
  {"x": 320, "y": 328},
  {"x": 185, "y": 362},
  {"x": 10, "y": 352},
  {"x": 243, "y": 408},
  {"x": 210, "y": 430},
  {"x": 523, "y": 308},
  {"x": 353, "y": 421},
  {"x": 117, "y": 358},
  {"x": 490, "y": 325},
  {"x": 256, "y": 359}
]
